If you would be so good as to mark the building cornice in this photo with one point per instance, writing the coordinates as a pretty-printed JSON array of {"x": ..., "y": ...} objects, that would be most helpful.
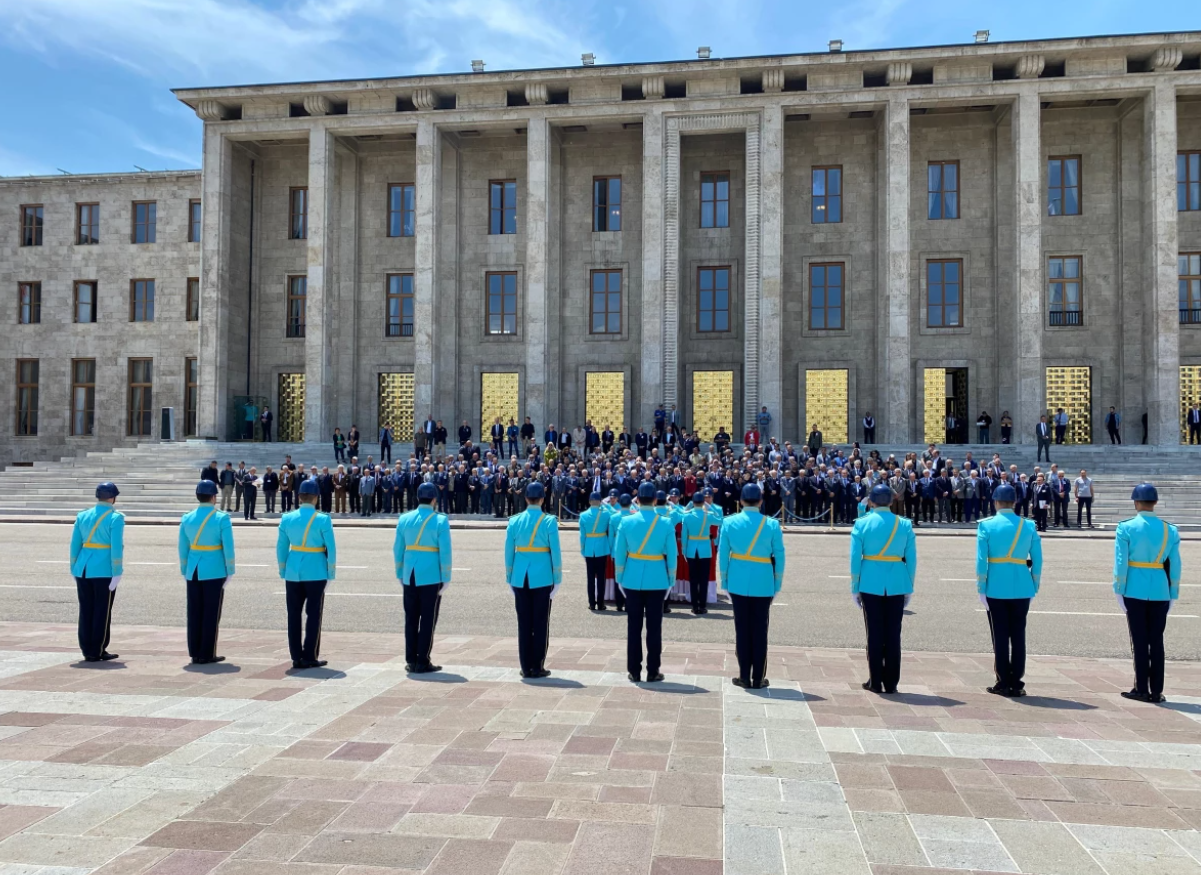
[{"x": 100, "y": 178}]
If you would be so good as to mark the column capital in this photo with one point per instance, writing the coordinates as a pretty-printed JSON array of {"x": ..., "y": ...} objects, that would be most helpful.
[
  {"x": 316, "y": 104},
  {"x": 773, "y": 80},
  {"x": 424, "y": 99},
  {"x": 210, "y": 110},
  {"x": 653, "y": 87},
  {"x": 899, "y": 73},
  {"x": 1030, "y": 66},
  {"x": 1166, "y": 58},
  {"x": 536, "y": 94}
]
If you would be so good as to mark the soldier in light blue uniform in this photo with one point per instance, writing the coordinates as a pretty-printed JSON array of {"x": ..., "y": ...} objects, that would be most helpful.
[
  {"x": 206, "y": 561},
  {"x": 423, "y": 567},
  {"x": 644, "y": 559},
  {"x": 698, "y": 548},
  {"x": 307, "y": 559},
  {"x": 883, "y": 568},
  {"x": 1146, "y": 580},
  {"x": 750, "y": 560},
  {"x": 594, "y": 547},
  {"x": 534, "y": 569},
  {"x": 97, "y": 561},
  {"x": 1009, "y": 565}
]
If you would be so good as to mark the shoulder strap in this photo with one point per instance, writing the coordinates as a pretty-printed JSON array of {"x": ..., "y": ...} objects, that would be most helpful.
[
  {"x": 196, "y": 539},
  {"x": 421, "y": 531},
  {"x": 99, "y": 520},
  {"x": 649, "y": 529},
  {"x": 534, "y": 533},
  {"x": 1021, "y": 527},
  {"x": 759, "y": 531},
  {"x": 896, "y": 521},
  {"x": 305, "y": 539},
  {"x": 1163, "y": 547}
]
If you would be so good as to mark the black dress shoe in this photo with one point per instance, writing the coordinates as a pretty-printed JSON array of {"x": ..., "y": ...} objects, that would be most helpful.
[
  {"x": 430, "y": 667},
  {"x": 1017, "y": 692},
  {"x": 316, "y": 663},
  {"x": 621, "y": 610},
  {"x": 1156, "y": 698},
  {"x": 106, "y": 656},
  {"x": 997, "y": 690},
  {"x": 217, "y": 659},
  {"x": 91, "y": 659},
  {"x": 655, "y": 678},
  {"x": 1135, "y": 695},
  {"x": 666, "y": 609},
  {"x": 602, "y": 607},
  {"x": 410, "y": 668},
  {"x": 198, "y": 661},
  {"x": 739, "y": 682},
  {"x": 762, "y": 684},
  {"x": 299, "y": 664},
  {"x": 539, "y": 673},
  {"x": 592, "y": 607},
  {"x": 634, "y": 678},
  {"x": 696, "y": 611},
  {"x": 890, "y": 691},
  {"x": 870, "y": 687}
]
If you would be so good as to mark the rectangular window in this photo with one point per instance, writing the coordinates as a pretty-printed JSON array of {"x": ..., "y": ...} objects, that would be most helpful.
[
  {"x": 85, "y": 301},
  {"x": 1190, "y": 287},
  {"x": 942, "y": 188},
  {"x": 194, "y": 214},
  {"x": 87, "y": 224},
  {"x": 827, "y": 195},
  {"x": 502, "y": 206},
  {"x": 1188, "y": 181},
  {"x": 713, "y": 306},
  {"x": 944, "y": 293},
  {"x": 144, "y": 217},
  {"x": 141, "y": 405},
  {"x": 83, "y": 397},
  {"x": 400, "y": 305},
  {"x": 192, "y": 301},
  {"x": 298, "y": 287},
  {"x": 1063, "y": 186},
  {"x": 298, "y": 214},
  {"x": 502, "y": 303},
  {"x": 606, "y": 302},
  {"x": 1065, "y": 295},
  {"x": 715, "y": 200},
  {"x": 825, "y": 296},
  {"x": 27, "y": 397},
  {"x": 31, "y": 225},
  {"x": 606, "y": 203},
  {"x": 191, "y": 395},
  {"x": 402, "y": 210},
  {"x": 141, "y": 300},
  {"x": 29, "y": 303}
]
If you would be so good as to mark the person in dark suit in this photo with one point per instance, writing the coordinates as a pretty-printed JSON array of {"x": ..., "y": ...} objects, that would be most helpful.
[
  {"x": 1061, "y": 489},
  {"x": 250, "y": 493},
  {"x": 265, "y": 420},
  {"x": 1042, "y": 434},
  {"x": 270, "y": 488},
  {"x": 642, "y": 442},
  {"x": 325, "y": 482},
  {"x": 1041, "y": 498},
  {"x": 1193, "y": 418}
]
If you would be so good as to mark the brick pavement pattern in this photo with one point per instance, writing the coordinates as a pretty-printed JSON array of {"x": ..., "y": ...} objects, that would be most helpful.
[{"x": 144, "y": 765}]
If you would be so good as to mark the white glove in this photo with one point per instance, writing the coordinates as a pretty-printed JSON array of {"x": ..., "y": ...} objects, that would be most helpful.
[
  {"x": 554, "y": 590},
  {"x": 444, "y": 588},
  {"x": 984, "y": 600},
  {"x": 908, "y": 598},
  {"x": 623, "y": 590},
  {"x": 1121, "y": 602},
  {"x": 112, "y": 584},
  {"x": 858, "y": 601},
  {"x": 1171, "y": 604}
]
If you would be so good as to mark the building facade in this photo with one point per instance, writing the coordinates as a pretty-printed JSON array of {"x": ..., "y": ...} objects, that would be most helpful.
[{"x": 912, "y": 233}]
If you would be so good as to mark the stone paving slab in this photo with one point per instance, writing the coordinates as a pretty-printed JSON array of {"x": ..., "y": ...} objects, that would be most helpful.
[{"x": 146, "y": 765}]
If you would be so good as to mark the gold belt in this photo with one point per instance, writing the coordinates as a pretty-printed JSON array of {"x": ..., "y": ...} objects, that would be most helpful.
[
  {"x": 206, "y": 549},
  {"x": 1158, "y": 565},
  {"x": 879, "y": 558},
  {"x": 108, "y": 547},
  {"x": 532, "y": 549},
  {"x": 647, "y": 556},
  {"x": 598, "y": 535},
  {"x": 1006, "y": 560},
  {"x": 698, "y": 537},
  {"x": 422, "y": 549},
  {"x": 307, "y": 549},
  {"x": 747, "y": 557}
]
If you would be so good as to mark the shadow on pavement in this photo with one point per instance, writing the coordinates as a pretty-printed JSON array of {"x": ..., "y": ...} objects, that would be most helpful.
[
  {"x": 111, "y": 665},
  {"x": 213, "y": 668},
  {"x": 1055, "y": 704},
  {"x": 438, "y": 677},
  {"x": 562, "y": 683}
]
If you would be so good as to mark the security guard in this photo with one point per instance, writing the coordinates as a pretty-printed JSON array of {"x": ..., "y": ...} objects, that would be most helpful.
[
  {"x": 307, "y": 560},
  {"x": 206, "y": 561},
  {"x": 1146, "y": 579},
  {"x": 644, "y": 560},
  {"x": 97, "y": 553},
  {"x": 750, "y": 559},
  {"x": 883, "y": 568},
  {"x": 698, "y": 548},
  {"x": 594, "y": 546},
  {"x": 534, "y": 569},
  {"x": 1009, "y": 564},
  {"x": 423, "y": 566}
]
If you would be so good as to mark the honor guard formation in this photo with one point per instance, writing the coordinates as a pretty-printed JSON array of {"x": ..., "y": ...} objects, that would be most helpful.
[{"x": 635, "y": 554}]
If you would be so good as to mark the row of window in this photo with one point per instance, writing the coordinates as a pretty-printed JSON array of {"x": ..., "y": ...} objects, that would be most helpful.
[
  {"x": 143, "y": 223},
  {"x": 139, "y": 397},
  {"x": 85, "y": 301}
]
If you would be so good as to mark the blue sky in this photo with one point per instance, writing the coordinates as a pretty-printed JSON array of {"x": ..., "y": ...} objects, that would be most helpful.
[{"x": 88, "y": 80}]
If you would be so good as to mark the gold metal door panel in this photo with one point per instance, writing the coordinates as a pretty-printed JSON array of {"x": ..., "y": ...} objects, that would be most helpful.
[
  {"x": 826, "y": 403},
  {"x": 935, "y": 412},
  {"x": 291, "y": 408},
  {"x": 605, "y": 399},
  {"x": 396, "y": 404},
  {"x": 1072, "y": 389},
  {"x": 1190, "y": 394},
  {"x": 712, "y": 403},
  {"x": 498, "y": 397}
]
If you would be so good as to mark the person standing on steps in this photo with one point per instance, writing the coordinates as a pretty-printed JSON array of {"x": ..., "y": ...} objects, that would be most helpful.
[
  {"x": 206, "y": 561},
  {"x": 97, "y": 561}
]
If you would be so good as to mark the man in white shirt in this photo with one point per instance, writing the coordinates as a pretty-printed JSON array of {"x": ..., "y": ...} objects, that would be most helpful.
[
  {"x": 1085, "y": 493},
  {"x": 1061, "y": 425}
]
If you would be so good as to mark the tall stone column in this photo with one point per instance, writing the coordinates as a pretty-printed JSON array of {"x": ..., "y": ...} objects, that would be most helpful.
[
  {"x": 217, "y": 202},
  {"x": 425, "y": 267},
  {"x": 1161, "y": 244},
  {"x": 897, "y": 391},
  {"x": 318, "y": 354},
  {"x": 537, "y": 266},
  {"x": 1029, "y": 377},
  {"x": 650, "y": 391},
  {"x": 771, "y": 266}
]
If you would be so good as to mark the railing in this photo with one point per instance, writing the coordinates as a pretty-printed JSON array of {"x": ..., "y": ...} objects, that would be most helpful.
[
  {"x": 400, "y": 330},
  {"x": 1061, "y": 318},
  {"x": 1190, "y": 317}
]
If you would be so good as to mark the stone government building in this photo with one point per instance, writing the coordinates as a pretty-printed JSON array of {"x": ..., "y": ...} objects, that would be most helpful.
[{"x": 983, "y": 226}]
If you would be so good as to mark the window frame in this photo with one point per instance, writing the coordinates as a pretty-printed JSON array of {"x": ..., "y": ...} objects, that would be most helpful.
[
  {"x": 1065, "y": 320},
  {"x": 943, "y": 191},
  {"x": 1194, "y": 280},
  {"x": 26, "y": 424},
  {"x": 191, "y": 394},
  {"x": 592, "y": 313},
  {"x": 842, "y": 287},
  {"x": 38, "y": 226},
  {"x": 390, "y": 296},
  {"x": 195, "y": 220},
  {"x": 89, "y": 409},
  {"x": 502, "y": 209},
  {"x": 150, "y": 225},
  {"x": 1063, "y": 187},
  {"x": 147, "y": 304},
  {"x": 825, "y": 169},
  {"x": 503, "y": 314},
  {"x": 607, "y": 215},
  {"x": 95, "y": 290},
  {"x": 716, "y": 176},
  {"x": 294, "y": 327},
  {"x": 729, "y": 308},
  {"x": 1189, "y": 180},
  {"x": 145, "y": 397},
  {"x": 402, "y": 212},
  {"x": 942, "y": 286},
  {"x": 34, "y": 305},
  {"x": 301, "y": 232},
  {"x": 93, "y": 224},
  {"x": 191, "y": 302}
]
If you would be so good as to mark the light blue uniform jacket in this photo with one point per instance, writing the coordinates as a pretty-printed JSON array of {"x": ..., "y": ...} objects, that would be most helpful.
[
  {"x": 650, "y": 535},
  {"x": 750, "y": 554},
  {"x": 697, "y": 521},
  {"x": 532, "y": 550},
  {"x": 98, "y": 542},
  {"x": 422, "y": 547},
  {"x": 1146, "y": 540},
  {"x": 594, "y": 531},
  {"x": 206, "y": 544},
  {"x": 305, "y": 546},
  {"x": 893, "y": 575},
  {"x": 1003, "y": 543}
]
